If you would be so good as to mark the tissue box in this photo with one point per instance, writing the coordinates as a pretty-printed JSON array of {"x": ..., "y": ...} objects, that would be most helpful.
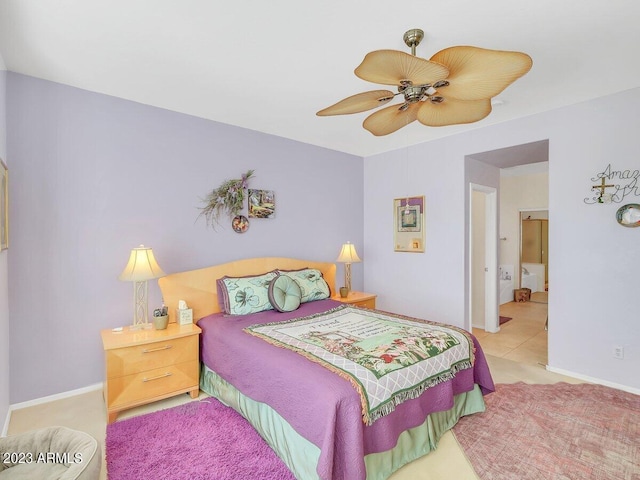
[{"x": 184, "y": 316}]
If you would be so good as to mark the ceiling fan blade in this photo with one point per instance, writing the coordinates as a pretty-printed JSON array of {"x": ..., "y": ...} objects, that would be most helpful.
[
  {"x": 453, "y": 111},
  {"x": 390, "y": 67},
  {"x": 358, "y": 103},
  {"x": 390, "y": 119},
  {"x": 476, "y": 73}
]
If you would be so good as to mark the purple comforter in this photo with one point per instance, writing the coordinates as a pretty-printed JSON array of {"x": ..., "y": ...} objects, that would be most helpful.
[{"x": 320, "y": 405}]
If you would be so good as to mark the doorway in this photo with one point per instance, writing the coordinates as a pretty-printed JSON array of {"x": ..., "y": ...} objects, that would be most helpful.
[
  {"x": 522, "y": 183},
  {"x": 524, "y": 248},
  {"x": 534, "y": 249}
]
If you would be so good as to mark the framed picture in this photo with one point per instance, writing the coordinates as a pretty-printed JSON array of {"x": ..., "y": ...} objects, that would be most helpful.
[
  {"x": 262, "y": 203},
  {"x": 4, "y": 206},
  {"x": 408, "y": 224}
]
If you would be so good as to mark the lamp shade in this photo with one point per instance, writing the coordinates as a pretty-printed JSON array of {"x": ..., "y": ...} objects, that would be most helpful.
[
  {"x": 142, "y": 266},
  {"x": 348, "y": 254}
]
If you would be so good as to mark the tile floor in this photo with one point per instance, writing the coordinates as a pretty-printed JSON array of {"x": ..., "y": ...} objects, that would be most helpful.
[{"x": 522, "y": 339}]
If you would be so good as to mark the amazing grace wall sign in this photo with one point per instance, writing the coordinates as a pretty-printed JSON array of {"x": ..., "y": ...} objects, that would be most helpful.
[{"x": 614, "y": 186}]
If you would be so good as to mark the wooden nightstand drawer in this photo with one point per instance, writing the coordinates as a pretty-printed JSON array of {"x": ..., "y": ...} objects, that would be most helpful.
[
  {"x": 139, "y": 358},
  {"x": 370, "y": 303},
  {"x": 358, "y": 299},
  {"x": 131, "y": 389}
]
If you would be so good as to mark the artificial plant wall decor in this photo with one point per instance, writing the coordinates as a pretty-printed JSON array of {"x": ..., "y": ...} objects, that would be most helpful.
[{"x": 227, "y": 199}]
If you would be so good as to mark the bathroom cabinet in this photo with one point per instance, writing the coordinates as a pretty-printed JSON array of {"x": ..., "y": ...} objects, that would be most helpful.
[{"x": 535, "y": 243}]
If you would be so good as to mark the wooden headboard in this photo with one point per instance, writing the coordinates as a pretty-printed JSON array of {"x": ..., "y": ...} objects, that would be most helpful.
[{"x": 198, "y": 287}]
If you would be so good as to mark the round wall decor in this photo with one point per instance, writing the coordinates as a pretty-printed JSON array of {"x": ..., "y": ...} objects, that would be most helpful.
[{"x": 240, "y": 224}]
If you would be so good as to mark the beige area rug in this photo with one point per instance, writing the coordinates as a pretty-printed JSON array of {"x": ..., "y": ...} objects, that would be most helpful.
[{"x": 558, "y": 431}]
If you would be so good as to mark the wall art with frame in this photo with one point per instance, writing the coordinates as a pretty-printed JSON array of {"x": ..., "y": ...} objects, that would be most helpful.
[
  {"x": 4, "y": 206},
  {"x": 262, "y": 203},
  {"x": 409, "y": 224}
]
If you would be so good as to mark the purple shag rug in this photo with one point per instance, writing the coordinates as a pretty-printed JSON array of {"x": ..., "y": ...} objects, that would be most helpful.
[{"x": 202, "y": 439}]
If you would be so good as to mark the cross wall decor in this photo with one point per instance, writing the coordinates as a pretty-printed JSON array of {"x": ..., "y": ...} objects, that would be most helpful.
[{"x": 628, "y": 186}]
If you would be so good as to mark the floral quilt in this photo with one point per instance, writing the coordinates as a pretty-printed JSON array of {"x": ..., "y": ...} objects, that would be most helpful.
[{"x": 388, "y": 358}]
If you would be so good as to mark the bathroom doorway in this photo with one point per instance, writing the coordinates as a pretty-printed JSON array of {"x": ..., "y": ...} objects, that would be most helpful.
[
  {"x": 524, "y": 220},
  {"x": 534, "y": 249}
]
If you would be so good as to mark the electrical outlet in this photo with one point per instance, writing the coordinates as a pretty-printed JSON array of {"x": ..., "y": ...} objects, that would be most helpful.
[{"x": 618, "y": 352}]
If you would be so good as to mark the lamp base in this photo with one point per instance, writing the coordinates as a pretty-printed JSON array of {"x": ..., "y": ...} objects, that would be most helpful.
[
  {"x": 347, "y": 276},
  {"x": 140, "y": 307}
]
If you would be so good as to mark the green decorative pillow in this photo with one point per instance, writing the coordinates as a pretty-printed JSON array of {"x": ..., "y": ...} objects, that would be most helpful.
[
  {"x": 311, "y": 282},
  {"x": 244, "y": 295},
  {"x": 284, "y": 293}
]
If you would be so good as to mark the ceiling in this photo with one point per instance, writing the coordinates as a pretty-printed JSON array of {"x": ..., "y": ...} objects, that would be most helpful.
[
  {"x": 517, "y": 160},
  {"x": 269, "y": 66}
]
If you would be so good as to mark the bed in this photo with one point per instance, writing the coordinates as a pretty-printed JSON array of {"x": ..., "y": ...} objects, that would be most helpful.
[{"x": 313, "y": 418}]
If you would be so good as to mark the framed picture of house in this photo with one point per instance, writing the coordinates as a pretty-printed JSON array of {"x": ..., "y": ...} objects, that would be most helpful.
[
  {"x": 4, "y": 206},
  {"x": 409, "y": 224}
]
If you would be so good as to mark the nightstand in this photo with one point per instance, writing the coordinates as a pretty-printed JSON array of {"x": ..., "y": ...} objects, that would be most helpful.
[
  {"x": 358, "y": 299},
  {"x": 143, "y": 366}
]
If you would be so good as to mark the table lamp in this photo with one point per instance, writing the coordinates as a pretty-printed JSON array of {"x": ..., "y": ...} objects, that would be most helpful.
[
  {"x": 142, "y": 266},
  {"x": 348, "y": 256}
]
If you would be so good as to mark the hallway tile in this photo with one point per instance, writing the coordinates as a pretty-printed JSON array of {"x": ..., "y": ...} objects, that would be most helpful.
[{"x": 523, "y": 338}]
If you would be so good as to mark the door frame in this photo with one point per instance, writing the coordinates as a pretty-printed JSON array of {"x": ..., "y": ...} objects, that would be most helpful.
[{"x": 491, "y": 318}]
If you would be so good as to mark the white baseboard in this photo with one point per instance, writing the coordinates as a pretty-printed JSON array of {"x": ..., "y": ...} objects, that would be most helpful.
[
  {"x": 598, "y": 381},
  {"x": 57, "y": 396}
]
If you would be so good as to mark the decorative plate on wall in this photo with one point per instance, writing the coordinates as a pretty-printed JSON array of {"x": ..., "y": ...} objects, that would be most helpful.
[
  {"x": 240, "y": 224},
  {"x": 629, "y": 215}
]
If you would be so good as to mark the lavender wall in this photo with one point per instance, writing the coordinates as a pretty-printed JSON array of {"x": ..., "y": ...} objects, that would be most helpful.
[
  {"x": 593, "y": 260},
  {"x": 4, "y": 275},
  {"x": 94, "y": 176}
]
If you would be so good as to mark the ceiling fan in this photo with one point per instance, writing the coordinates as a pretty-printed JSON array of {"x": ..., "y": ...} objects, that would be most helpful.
[{"x": 455, "y": 86}]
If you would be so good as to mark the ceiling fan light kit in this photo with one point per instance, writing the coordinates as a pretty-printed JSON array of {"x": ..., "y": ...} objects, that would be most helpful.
[{"x": 454, "y": 87}]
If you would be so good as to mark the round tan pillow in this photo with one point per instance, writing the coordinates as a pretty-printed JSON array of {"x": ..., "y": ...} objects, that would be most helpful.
[{"x": 284, "y": 293}]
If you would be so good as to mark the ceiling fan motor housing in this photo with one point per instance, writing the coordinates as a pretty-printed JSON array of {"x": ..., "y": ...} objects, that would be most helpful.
[{"x": 421, "y": 93}]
